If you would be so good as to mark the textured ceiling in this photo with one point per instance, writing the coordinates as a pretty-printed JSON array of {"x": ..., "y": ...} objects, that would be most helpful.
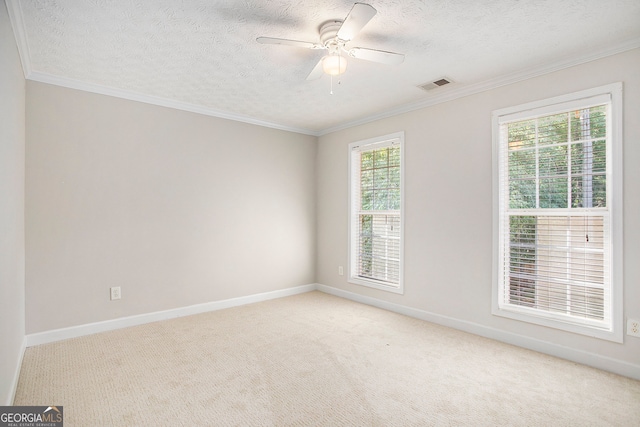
[{"x": 204, "y": 52}]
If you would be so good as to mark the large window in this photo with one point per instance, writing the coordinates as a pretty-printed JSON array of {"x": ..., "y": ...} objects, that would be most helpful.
[
  {"x": 376, "y": 224},
  {"x": 558, "y": 204}
]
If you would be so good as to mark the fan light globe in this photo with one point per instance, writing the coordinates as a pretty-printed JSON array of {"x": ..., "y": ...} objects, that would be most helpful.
[{"x": 334, "y": 64}]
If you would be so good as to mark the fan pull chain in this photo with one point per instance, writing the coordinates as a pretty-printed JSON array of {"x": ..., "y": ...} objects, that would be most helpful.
[{"x": 331, "y": 89}]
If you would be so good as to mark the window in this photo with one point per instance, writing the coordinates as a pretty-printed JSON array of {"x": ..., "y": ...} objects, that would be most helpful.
[
  {"x": 376, "y": 223},
  {"x": 558, "y": 197}
]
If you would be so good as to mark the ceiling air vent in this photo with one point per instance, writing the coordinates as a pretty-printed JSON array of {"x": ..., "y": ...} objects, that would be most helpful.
[{"x": 435, "y": 85}]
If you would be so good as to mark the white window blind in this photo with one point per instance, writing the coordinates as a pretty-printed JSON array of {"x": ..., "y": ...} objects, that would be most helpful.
[
  {"x": 376, "y": 213},
  {"x": 555, "y": 198}
]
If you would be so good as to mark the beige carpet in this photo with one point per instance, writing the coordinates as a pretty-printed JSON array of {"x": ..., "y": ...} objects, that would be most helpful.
[{"x": 315, "y": 359}]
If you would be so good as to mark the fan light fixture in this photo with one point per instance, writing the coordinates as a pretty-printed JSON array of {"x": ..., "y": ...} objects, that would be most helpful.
[
  {"x": 334, "y": 64},
  {"x": 335, "y": 36}
]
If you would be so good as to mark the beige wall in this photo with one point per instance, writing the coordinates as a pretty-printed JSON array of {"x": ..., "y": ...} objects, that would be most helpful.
[
  {"x": 179, "y": 208},
  {"x": 12, "y": 140},
  {"x": 176, "y": 208},
  {"x": 448, "y": 203}
]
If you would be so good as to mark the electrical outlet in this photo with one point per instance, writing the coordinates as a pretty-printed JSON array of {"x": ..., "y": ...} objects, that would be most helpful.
[
  {"x": 115, "y": 293},
  {"x": 340, "y": 270},
  {"x": 633, "y": 327}
]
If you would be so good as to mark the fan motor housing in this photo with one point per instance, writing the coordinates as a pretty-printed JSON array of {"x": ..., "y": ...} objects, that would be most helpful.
[{"x": 329, "y": 32}]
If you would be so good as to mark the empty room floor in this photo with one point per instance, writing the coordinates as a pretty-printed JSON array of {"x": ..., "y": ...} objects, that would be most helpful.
[{"x": 315, "y": 359}]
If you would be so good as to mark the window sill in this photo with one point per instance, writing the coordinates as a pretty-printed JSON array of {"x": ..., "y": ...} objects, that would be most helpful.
[
  {"x": 522, "y": 314},
  {"x": 377, "y": 285}
]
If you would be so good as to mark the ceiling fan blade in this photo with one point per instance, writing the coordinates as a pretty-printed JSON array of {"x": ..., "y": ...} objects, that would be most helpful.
[
  {"x": 287, "y": 42},
  {"x": 360, "y": 14},
  {"x": 374, "y": 55},
  {"x": 317, "y": 71}
]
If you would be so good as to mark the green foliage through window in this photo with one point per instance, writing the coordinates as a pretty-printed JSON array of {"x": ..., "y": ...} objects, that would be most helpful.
[
  {"x": 380, "y": 179},
  {"x": 378, "y": 217},
  {"x": 558, "y": 161}
]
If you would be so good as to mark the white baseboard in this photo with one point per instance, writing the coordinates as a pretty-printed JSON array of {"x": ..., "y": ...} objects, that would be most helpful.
[
  {"x": 124, "y": 322},
  {"x": 579, "y": 356},
  {"x": 605, "y": 363}
]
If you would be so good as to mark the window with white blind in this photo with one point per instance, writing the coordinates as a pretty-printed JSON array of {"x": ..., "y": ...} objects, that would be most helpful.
[
  {"x": 558, "y": 197},
  {"x": 376, "y": 224}
]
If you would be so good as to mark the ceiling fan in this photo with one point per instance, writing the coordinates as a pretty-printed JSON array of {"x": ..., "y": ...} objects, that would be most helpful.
[{"x": 334, "y": 36}]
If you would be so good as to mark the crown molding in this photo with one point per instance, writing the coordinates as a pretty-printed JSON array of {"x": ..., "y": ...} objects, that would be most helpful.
[
  {"x": 156, "y": 100},
  {"x": 494, "y": 83},
  {"x": 19, "y": 32}
]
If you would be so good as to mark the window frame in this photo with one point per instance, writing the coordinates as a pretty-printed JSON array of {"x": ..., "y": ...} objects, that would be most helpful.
[
  {"x": 354, "y": 191},
  {"x": 612, "y": 93}
]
